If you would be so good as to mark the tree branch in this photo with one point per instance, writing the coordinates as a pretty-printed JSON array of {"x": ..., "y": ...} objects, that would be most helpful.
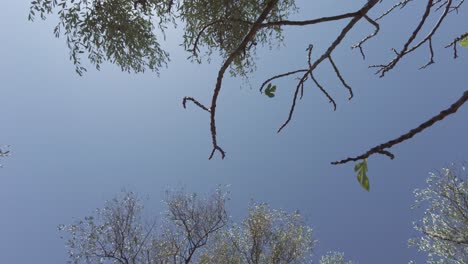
[{"x": 380, "y": 149}]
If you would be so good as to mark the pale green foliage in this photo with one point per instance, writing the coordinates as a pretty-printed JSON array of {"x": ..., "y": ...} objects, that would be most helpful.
[
  {"x": 223, "y": 24},
  {"x": 361, "y": 169},
  {"x": 265, "y": 236},
  {"x": 335, "y": 258},
  {"x": 128, "y": 32},
  {"x": 194, "y": 230},
  {"x": 464, "y": 42},
  {"x": 444, "y": 226}
]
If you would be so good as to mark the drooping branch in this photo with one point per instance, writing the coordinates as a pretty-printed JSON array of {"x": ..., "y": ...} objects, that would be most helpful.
[
  {"x": 248, "y": 38},
  {"x": 381, "y": 149}
]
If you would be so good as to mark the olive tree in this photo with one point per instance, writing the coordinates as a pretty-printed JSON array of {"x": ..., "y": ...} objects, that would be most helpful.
[
  {"x": 444, "y": 226},
  {"x": 128, "y": 33},
  {"x": 194, "y": 229}
]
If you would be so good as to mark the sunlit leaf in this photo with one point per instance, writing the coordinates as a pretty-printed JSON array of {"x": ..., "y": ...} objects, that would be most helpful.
[
  {"x": 464, "y": 42},
  {"x": 361, "y": 169}
]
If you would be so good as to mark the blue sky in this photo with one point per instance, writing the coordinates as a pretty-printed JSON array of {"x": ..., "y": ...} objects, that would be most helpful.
[{"x": 77, "y": 141}]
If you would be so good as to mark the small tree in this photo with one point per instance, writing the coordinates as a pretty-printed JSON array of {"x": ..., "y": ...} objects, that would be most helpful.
[
  {"x": 265, "y": 236},
  {"x": 114, "y": 234},
  {"x": 193, "y": 230},
  {"x": 190, "y": 222},
  {"x": 444, "y": 226}
]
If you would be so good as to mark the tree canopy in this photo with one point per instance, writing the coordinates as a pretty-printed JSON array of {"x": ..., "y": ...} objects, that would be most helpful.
[
  {"x": 194, "y": 229},
  {"x": 444, "y": 226},
  {"x": 128, "y": 34}
]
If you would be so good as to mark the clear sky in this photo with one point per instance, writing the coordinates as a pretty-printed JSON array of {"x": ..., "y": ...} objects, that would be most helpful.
[{"x": 77, "y": 141}]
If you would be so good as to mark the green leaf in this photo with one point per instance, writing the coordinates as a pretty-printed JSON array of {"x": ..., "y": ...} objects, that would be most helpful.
[
  {"x": 361, "y": 169},
  {"x": 464, "y": 42},
  {"x": 270, "y": 90}
]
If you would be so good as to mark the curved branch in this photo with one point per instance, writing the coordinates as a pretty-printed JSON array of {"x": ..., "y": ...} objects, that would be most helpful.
[
  {"x": 252, "y": 32},
  {"x": 187, "y": 98},
  {"x": 380, "y": 149},
  {"x": 279, "y": 76}
]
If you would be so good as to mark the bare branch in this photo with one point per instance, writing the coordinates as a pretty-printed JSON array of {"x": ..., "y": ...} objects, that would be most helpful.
[
  {"x": 184, "y": 103},
  {"x": 431, "y": 58},
  {"x": 406, "y": 49},
  {"x": 400, "y": 4},
  {"x": 373, "y": 34},
  {"x": 381, "y": 148},
  {"x": 309, "y": 56},
  {"x": 309, "y": 22},
  {"x": 341, "y": 78}
]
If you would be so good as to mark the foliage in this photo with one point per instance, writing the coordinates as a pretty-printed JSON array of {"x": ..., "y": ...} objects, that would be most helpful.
[
  {"x": 361, "y": 169},
  {"x": 444, "y": 226},
  {"x": 270, "y": 90},
  {"x": 114, "y": 233},
  {"x": 266, "y": 236},
  {"x": 109, "y": 30},
  {"x": 194, "y": 230},
  {"x": 222, "y": 25},
  {"x": 128, "y": 33},
  {"x": 464, "y": 42},
  {"x": 334, "y": 258}
]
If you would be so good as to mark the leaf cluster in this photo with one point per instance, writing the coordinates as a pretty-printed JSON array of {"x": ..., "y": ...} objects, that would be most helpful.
[{"x": 129, "y": 33}]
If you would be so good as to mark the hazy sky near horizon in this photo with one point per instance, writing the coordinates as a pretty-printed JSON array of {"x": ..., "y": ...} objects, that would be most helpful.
[{"x": 77, "y": 141}]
